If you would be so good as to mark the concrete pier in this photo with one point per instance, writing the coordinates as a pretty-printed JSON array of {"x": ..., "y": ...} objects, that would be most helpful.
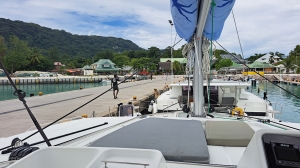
[{"x": 14, "y": 118}]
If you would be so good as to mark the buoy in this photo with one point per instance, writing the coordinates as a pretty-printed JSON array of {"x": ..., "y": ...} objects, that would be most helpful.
[
  {"x": 80, "y": 88},
  {"x": 84, "y": 115},
  {"x": 150, "y": 108},
  {"x": 40, "y": 93}
]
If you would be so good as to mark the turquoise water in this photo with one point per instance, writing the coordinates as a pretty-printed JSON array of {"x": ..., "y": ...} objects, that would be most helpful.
[
  {"x": 6, "y": 91},
  {"x": 291, "y": 104}
]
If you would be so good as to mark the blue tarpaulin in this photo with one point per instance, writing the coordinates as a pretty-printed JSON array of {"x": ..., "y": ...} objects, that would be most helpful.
[{"x": 185, "y": 13}]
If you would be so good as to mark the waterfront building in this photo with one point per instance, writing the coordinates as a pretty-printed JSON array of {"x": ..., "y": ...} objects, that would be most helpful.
[
  {"x": 267, "y": 58},
  {"x": 105, "y": 66},
  {"x": 87, "y": 71}
]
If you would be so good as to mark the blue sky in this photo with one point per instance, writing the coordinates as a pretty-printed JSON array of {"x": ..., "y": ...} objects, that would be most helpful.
[{"x": 263, "y": 25}]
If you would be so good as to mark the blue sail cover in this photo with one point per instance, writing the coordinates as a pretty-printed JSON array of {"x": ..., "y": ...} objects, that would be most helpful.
[
  {"x": 221, "y": 11},
  {"x": 184, "y": 14}
]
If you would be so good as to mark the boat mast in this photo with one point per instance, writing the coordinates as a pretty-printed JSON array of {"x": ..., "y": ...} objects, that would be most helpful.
[{"x": 198, "y": 75}]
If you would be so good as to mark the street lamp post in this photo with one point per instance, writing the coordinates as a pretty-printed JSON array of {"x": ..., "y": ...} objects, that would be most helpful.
[{"x": 171, "y": 23}]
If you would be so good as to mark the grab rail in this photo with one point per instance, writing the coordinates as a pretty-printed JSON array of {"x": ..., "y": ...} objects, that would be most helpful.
[{"x": 131, "y": 163}]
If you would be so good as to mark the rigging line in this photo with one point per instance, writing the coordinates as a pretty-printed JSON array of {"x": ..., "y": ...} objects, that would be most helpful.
[
  {"x": 177, "y": 43},
  {"x": 85, "y": 103},
  {"x": 21, "y": 95},
  {"x": 237, "y": 32},
  {"x": 79, "y": 107},
  {"x": 175, "y": 38},
  {"x": 213, "y": 4},
  {"x": 257, "y": 72}
]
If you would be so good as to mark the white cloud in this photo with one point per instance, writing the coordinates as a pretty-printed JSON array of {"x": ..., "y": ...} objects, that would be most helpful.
[{"x": 263, "y": 25}]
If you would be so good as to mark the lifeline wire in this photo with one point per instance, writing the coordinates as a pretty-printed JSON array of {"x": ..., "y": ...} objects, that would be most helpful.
[
  {"x": 82, "y": 105},
  {"x": 257, "y": 72}
]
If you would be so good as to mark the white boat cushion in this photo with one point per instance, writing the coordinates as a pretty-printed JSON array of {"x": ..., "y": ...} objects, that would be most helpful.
[{"x": 228, "y": 133}]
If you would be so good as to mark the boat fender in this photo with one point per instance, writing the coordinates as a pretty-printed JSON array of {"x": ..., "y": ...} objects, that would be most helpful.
[
  {"x": 185, "y": 109},
  {"x": 239, "y": 110},
  {"x": 150, "y": 108}
]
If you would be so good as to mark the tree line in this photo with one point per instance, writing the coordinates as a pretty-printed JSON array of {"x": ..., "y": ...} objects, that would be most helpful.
[{"x": 16, "y": 54}]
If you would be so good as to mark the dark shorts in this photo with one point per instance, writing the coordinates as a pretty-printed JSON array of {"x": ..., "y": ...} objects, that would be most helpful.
[{"x": 115, "y": 88}]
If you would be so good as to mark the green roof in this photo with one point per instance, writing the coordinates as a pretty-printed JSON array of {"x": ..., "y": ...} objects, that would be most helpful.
[
  {"x": 181, "y": 60},
  {"x": 104, "y": 61},
  {"x": 257, "y": 64},
  {"x": 86, "y": 67},
  {"x": 105, "y": 65}
]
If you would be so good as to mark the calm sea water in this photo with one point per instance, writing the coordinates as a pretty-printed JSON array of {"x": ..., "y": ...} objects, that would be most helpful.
[
  {"x": 290, "y": 104},
  {"x": 6, "y": 91}
]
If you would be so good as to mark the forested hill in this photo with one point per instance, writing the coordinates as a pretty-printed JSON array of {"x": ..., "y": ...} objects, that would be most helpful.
[{"x": 67, "y": 43}]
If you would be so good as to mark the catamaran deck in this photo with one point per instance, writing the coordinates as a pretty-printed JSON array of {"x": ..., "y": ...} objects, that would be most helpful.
[{"x": 47, "y": 108}]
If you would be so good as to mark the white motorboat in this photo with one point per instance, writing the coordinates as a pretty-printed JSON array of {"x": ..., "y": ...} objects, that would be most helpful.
[{"x": 164, "y": 140}]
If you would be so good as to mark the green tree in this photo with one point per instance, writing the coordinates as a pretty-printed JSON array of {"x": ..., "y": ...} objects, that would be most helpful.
[
  {"x": 177, "y": 53},
  {"x": 121, "y": 60},
  {"x": 141, "y": 53},
  {"x": 289, "y": 64},
  {"x": 135, "y": 64},
  {"x": 54, "y": 54},
  {"x": 35, "y": 56},
  {"x": 3, "y": 48},
  {"x": 18, "y": 51},
  {"x": 254, "y": 57},
  {"x": 177, "y": 68},
  {"x": 107, "y": 54},
  {"x": 223, "y": 63},
  {"x": 153, "y": 52}
]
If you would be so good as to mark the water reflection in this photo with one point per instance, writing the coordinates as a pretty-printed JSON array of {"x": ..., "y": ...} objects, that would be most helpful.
[{"x": 291, "y": 104}]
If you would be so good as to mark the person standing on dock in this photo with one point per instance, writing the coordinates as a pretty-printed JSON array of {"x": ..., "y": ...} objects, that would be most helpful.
[{"x": 114, "y": 85}]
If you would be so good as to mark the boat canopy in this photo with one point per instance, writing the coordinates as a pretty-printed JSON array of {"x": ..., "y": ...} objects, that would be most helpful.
[{"x": 185, "y": 16}]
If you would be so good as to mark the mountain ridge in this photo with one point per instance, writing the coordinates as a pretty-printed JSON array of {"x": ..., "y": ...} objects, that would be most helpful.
[{"x": 67, "y": 43}]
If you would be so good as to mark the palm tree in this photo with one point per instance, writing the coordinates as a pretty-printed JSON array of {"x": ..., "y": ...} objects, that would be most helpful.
[
  {"x": 35, "y": 56},
  {"x": 289, "y": 64}
]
